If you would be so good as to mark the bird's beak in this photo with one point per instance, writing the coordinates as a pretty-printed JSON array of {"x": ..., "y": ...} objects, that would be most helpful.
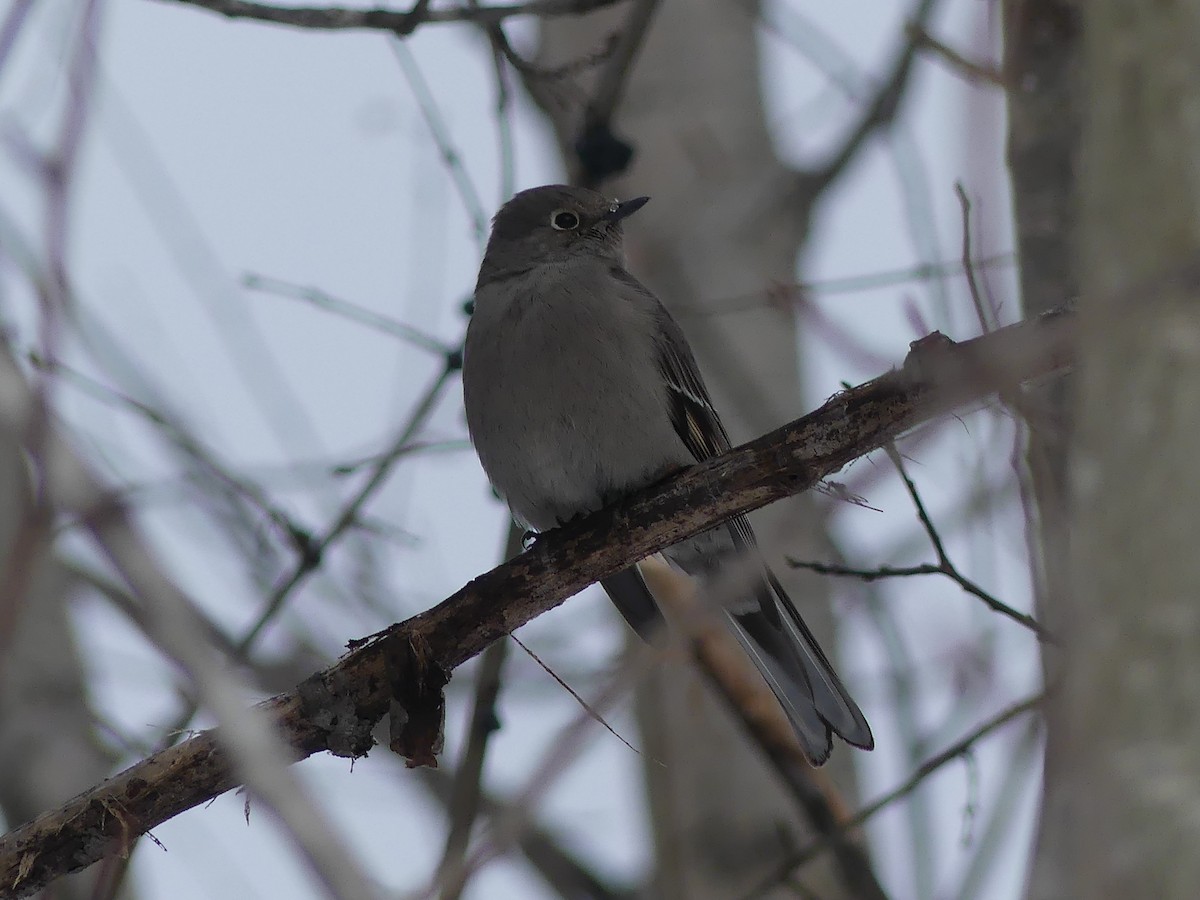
[{"x": 619, "y": 211}]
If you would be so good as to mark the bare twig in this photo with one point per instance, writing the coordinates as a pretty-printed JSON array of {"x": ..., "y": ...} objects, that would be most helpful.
[
  {"x": 902, "y": 701},
  {"x": 336, "y": 709},
  {"x": 986, "y": 322},
  {"x": 583, "y": 704},
  {"x": 206, "y": 460},
  {"x": 504, "y": 129},
  {"x": 380, "y": 471},
  {"x": 399, "y": 23},
  {"x": 451, "y": 159},
  {"x": 1021, "y": 772},
  {"x": 352, "y": 311},
  {"x": 944, "y": 566},
  {"x": 931, "y": 765},
  {"x": 505, "y": 830},
  {"x": 974, "y": 72},
  {"x": 769, "y": 296}
]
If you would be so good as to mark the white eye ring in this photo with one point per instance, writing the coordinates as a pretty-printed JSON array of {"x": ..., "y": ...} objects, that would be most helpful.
[{"x": 564, "y": 220}]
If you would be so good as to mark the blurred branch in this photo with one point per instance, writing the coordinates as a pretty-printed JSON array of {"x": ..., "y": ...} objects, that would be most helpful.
[
  {"x": 795, "y": 292},
  {"x": 505, "y": 828},
  {"x": 562, "y": 871},
  {"x": 601, "y": 153},
  {"x": 406, "y": 665},
  {"x": 612, "y": 80},
  {"x": 1022, "y": 773},
  {"x": 439, "y": 130},
  {"x": 310, "y": 559},
  {"x": 902, "y": 700},
  {"x": 976, "y": 73},
  {"x": 879, "y": 114},
  {"x": 11, "y": 27},
  {"x": 248, "y": 743},
  {"x": 401, "y": 24},
  {"x": 354, "y": 312},
  {"x": 730, "y": 671},
  {"x": 463, "y": 806},
  {"x": 951, "y": 753}
]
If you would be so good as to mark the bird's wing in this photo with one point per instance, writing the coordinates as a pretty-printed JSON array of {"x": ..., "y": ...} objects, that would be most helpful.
[
  {"x": 690, "y": 406},
  {"x": 782, "y": 646}
]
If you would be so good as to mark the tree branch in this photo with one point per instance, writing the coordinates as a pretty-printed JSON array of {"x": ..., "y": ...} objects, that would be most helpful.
[
  {"x": 339, "y": 18},
  {"x": 880, "y": 113},
  {"x": 405, "y": 666}
]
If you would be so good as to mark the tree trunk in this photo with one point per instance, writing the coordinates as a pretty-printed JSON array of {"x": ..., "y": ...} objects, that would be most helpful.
[
  {"x": 1042, "y": 49},
  {"x": 1129, "y": 715}
]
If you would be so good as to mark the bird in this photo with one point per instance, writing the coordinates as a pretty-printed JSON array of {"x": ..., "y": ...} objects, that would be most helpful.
[{"x": 580, "y": 388}]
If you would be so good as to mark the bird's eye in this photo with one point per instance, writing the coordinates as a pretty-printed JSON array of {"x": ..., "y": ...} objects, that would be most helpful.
[{"x": 561, "y": 220}]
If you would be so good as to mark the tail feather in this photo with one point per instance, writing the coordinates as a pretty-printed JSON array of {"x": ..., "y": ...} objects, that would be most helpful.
[
  {"x": 763, "y": 643},
  {"x": 799, "y": 674},
  {"x": 629, "y": 594},
  {"x": 781, "y": 645}
]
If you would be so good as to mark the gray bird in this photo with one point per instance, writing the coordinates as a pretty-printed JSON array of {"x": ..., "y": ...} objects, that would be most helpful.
[{"x": 580, "y": 389}]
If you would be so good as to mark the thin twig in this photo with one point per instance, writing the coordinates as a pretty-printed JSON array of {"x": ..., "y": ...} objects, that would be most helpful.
[
  {"x": 1021, "y": 768},
  {"x": 902, "y": 701},
  {"x": 946, "y": 567},
  {"x": 583, "y": 704},
  {"x": 345, "y": 308},
  {"x": 451, "y": 158},
  {"x": 349, "y": 513},
  {"x": 399, "y": 23},
  {"x": 205, "y": 458},
  {"x": 910, "y": 784},
  {"x": 986, "y": 323},
  {"x": 976, "y": 73},
  {"x": 504, "y": 831}
]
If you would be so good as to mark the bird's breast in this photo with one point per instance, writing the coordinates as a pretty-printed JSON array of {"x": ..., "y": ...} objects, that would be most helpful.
[{"x": 564, "y": 399}]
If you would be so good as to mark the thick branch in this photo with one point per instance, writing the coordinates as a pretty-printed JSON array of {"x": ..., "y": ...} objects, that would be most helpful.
[
  {"x": 337, "y": 18},
  {"x": 335, "y": 710}
]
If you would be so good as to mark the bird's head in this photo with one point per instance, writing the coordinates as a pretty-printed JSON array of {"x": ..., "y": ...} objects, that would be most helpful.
[{"x": 553, "y": 224}]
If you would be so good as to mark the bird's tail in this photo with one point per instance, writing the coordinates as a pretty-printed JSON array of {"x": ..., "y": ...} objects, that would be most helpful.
[{"x": 798, "y": 672}]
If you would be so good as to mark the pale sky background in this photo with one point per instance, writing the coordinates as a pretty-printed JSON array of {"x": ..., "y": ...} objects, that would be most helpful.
[{"x": 219, "y": 148}]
